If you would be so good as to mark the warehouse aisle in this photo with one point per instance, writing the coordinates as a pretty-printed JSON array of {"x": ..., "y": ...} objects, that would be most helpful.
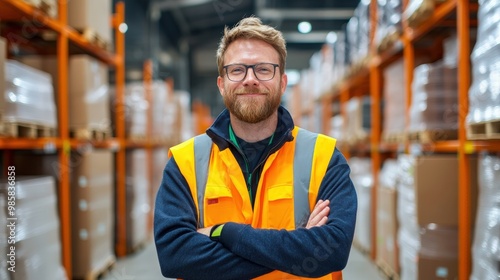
[{"x": 144, "y": 266}]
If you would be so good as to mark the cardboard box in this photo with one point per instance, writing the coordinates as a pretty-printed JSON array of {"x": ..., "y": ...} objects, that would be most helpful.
[
  {"x": 436, "y": 189},
  {"x": 92, "y": 213},
  {"x": 93, "y": 16},
  {"x": 387, "y": 229},
  {"x": 3, "y": 57},
  {"x": 88, "y": 89},
  {"x": 89, "y": 93},
  {"x": 438, "y": 254},
  {"x": 437, "y": 269}
]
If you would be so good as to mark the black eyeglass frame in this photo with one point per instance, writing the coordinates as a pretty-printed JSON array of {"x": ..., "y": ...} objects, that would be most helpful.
[{"x": 253, "y": 68}]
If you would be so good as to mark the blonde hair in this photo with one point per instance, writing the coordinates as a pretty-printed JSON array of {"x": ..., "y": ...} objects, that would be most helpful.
[{"x": 252, "y": 28}]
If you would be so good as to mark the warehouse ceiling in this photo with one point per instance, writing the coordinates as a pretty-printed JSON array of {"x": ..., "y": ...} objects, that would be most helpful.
[
  {"x": 199, "y": 20},
  {"x": 191, "y": 25}
]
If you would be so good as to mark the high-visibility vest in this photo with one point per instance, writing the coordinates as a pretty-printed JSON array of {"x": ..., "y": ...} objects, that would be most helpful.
[{"x": 286, "y": 193}]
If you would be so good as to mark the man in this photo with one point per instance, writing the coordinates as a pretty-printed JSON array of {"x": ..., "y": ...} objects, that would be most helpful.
[{"x": 258, "y": 198}]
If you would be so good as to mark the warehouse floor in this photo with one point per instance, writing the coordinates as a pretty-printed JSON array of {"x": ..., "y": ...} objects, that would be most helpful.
[{"x": 144, "y": 266}]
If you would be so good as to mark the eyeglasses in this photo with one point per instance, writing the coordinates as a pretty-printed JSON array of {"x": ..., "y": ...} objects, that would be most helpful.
[{"x": 262, "y": 71}]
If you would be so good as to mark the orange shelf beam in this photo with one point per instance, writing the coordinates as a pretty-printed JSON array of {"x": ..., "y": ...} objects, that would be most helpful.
[
  {"x": 121, "y": 191},
  {"x": 464, "y": 191},
  {"x": 48, "y": 144},
  {"x": 20, "y": 10}
]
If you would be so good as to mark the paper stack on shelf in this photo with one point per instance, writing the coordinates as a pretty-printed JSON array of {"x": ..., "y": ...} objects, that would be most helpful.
[{"x": 29, "y": 96}]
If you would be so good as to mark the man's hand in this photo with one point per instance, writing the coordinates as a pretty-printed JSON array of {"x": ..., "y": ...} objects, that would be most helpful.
[
  {"x": 205, "y": 231},
  {"x": 319, "y": 215}
]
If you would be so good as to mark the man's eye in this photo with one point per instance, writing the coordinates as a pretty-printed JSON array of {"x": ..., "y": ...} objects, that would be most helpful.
[
  {"x": 263, "y": 70},
  {"x": 238, "y": 70}
]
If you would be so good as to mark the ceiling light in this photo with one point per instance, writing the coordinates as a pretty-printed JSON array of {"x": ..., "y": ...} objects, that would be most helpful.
[
  {"x": 331, "y": 37},
  {"x": 304, "y": 27},
  {"x": 123, "y": 27}
]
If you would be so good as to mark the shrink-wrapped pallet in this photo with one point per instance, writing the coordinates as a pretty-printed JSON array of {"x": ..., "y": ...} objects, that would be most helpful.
[
  {"x": 29, "y": 96},
  {"x": 484, "y": 93},
  {"x": 35, "y": 227},
  {"x": 485, "y": 250}
]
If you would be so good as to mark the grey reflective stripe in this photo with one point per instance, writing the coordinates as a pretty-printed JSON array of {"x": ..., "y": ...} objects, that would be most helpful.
[
  {"x": 202, "y": 149},
  {"x": 304, "y": 151},
  {"x": 303, "y": 158}
]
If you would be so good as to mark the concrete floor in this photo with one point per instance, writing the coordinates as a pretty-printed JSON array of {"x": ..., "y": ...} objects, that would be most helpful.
[{"x": 143, "y": 265}]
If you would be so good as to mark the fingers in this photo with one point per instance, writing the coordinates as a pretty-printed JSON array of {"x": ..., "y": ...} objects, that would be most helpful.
[{"x": 319, "y": 215}]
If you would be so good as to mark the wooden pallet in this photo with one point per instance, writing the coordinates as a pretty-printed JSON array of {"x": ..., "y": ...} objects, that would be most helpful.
[
  {"x": 484, "y": 130},
  {"x": 137, "y": 138},
  {"x": 430, "y": 136},
  {"x": 101, "y": 271},
  {"x": 394, "y": 138},
  {"x": 94, "y": 38},
  {"x": 387, "y": 270},
  {"x": 90, "y": 134},
  {"x": 26, "y": 130},
  {"x": 47, "y": 7}
]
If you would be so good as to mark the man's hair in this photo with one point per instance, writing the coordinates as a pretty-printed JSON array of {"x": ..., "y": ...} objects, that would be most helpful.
[{"x": 252, "y": 28}]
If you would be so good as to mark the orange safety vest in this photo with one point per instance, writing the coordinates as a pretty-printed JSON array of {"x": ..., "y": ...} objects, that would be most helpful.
[{"x": 284, "y": 198}]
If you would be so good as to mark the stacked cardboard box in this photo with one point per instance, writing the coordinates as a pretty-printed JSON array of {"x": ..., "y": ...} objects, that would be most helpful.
[
  {"x": 92, "y": 212},
  {"x": 138, "y": 198},
  {"x": 92, "y": 17},
  {"x": 36, "y": 229},
  {"x": 387, "y": 220},
  {"x": 428, "y": 214},
  {"x": 3, "y": 56},
  {"x": 363, "y": 182},
  {"x": 87, "y": 87}
]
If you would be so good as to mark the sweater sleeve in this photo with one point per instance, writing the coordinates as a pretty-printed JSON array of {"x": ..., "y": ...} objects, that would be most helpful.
[
  {"x": 304, "y": 252},
  {"x": 182, "y": 251}
]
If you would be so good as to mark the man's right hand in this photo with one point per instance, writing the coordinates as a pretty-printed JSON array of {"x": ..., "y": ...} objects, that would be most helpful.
[{"x": 319, "y": 215}]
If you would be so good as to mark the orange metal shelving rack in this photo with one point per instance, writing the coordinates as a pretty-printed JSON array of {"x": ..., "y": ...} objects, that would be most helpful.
[
  {"x": 451, "y": 13},
  {"x": 20, "y": 11}
]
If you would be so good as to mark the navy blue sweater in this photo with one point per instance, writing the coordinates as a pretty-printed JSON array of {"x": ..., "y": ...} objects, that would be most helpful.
[{"x": 242, "y": 251}]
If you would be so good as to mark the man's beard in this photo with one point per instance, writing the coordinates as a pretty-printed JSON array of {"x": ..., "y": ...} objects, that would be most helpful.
[{"x": 252, "y": 109}]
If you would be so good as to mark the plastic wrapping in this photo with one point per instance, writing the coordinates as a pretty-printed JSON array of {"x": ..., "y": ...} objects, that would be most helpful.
[
  {"x": 3, "y": 240},
  {"x": 439, "y": 242},
  {"x": 136, "y": 108},
  {"x": 484, "y": 93},
  {"x": 434, "y": 103},
  {"x": 389, "y": 27},
  {"x": 388, "y": 177},
  {"x": 408, "y": 231},
  {"x": 358, "y": 32},
  {"x": 36, "y": 230},
  {"x": 361, "y": 175},
  {"x": 417, "y": 11},
  {"x": 337, "y": 127},
  {"x": 486, "y": 240},
  {"x": 394, "y": 97},
  {"x": 29, "y": 95},
  {"x": 357, "y": 123}
]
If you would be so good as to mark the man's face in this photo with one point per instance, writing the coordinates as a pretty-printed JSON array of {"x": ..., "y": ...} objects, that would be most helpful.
[{"x": 251, "y": 100}]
